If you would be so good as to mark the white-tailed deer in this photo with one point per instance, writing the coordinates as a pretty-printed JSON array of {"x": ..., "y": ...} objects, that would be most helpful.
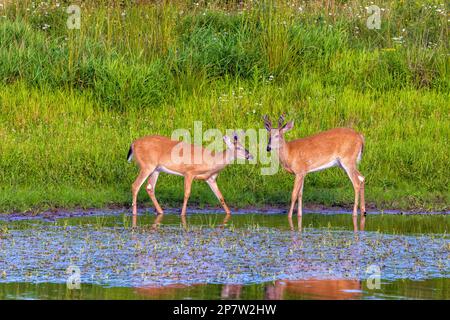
[
  {"x": 336, "y": 147},
  {"x": 155, "y": 154}
]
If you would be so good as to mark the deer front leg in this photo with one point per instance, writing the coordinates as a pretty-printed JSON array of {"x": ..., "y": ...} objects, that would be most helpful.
[
  {"x": 187, "y": 192},
  {"x": 295, "y": 190},
  {"x": 213, "y": 185}
]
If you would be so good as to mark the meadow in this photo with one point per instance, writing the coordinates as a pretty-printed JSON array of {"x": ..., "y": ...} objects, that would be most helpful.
[{"x": 72, "y": 100}]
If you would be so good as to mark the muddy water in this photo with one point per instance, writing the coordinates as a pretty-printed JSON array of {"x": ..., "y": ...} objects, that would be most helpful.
[{"x": 255, "y": 256}]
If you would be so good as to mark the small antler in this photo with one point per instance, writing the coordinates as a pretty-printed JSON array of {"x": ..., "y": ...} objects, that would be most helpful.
[
  {"x": 267, "y": 122},
  {"x": 281, "y": 120}
]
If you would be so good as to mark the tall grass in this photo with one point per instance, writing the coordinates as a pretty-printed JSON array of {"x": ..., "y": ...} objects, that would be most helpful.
[{"x": 73, "y": 100}]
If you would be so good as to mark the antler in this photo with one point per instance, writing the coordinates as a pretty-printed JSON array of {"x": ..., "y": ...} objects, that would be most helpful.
[
  {"x": 281, "y": 120},
  {"x": 267, "y": 122},
  {"x": 235, "y": 136}
]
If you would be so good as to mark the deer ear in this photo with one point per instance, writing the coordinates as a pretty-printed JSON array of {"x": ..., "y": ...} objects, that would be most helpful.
[
  {"x": 288, "y": 126},
  {"x": 228, "y": 141}
]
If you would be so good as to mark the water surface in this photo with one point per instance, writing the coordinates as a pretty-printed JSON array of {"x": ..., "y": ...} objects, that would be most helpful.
[{"x": 251, "y": 256}]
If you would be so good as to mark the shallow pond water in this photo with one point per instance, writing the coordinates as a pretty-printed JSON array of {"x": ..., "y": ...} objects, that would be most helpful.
[{"x": 257, "y": 256}]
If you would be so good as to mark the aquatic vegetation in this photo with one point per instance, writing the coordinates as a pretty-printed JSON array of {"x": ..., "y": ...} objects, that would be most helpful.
[{"x": 171, "y": 254}]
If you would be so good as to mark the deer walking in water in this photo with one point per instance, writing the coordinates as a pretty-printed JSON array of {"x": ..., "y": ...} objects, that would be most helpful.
[
  {"x": 155, "y": 154},
  {"x": 336, "y": 147}
]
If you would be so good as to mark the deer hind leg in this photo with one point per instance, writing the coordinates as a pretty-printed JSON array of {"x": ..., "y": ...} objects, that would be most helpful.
[
  {"x": 187, "y": 192},
  {"x": 357, "y": 180},
  {"x": 151, "y": 187},
  {"x": 300, "y": 196},
  {"x": 143, "y": 174},
  {"x": 361, "y": 194}
]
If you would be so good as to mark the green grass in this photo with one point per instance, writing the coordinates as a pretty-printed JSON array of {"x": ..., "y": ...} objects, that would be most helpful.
[{"x": 72, "y": 101}]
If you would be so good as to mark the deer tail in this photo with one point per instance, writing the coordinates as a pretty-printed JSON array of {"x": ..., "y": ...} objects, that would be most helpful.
[
  {"x": 130, "y": 153},
  {"x": 362, "y": 148}
]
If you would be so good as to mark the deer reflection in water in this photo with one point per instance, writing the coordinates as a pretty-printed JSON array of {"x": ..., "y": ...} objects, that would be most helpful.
[
  {"x": 156, "y": 223},
  {"x": 231, "y": 291},
  {"x": 362, "y": 223},
  {"x": 160, "y": 217},
  {"x": 339, "y": 289},
  {"x": 329, "y": 289}
]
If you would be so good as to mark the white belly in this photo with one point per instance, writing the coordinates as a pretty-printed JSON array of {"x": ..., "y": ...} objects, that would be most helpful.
[
  {"x": 325, "y": 166},
  {"x": 164, "y": 169}
]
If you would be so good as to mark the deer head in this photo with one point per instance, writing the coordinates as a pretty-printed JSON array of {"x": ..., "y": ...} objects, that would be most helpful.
[{"x": 276, "y": 134}]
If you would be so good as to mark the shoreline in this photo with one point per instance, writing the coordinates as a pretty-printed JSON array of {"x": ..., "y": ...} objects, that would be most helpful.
[{"x": 266, "y": 210}]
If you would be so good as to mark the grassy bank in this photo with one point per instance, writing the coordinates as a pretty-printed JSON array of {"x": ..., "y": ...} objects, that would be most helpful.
[{"x": 73, "y": 100}]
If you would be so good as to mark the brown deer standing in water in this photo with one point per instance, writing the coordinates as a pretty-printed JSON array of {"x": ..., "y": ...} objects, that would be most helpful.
[
  {"x": 336, "y": 147},
  {"x": 155, "y": 154}
]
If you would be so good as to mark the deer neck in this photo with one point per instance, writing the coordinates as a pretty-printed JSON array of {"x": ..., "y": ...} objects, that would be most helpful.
[
  {"x": 224, "y": 158},
  {"x": 283, "y": 154}
]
